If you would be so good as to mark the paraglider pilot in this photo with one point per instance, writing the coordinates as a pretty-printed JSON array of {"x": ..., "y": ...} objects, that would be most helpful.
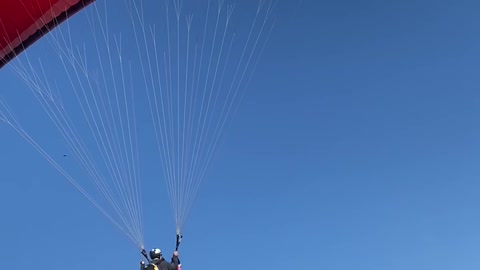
[{"x": 156, "y": 259}]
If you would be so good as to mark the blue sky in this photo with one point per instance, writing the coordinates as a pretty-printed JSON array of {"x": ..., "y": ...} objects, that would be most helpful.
[{"x": 356, "y": 147}]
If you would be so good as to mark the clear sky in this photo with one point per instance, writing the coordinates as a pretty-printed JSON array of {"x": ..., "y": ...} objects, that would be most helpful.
[{"x": 356, "y": 147}]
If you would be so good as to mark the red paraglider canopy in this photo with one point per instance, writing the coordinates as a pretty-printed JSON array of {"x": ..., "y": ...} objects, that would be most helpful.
[{"x": 23, "y": 22}]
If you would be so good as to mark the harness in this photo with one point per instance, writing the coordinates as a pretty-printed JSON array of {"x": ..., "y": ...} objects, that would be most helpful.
[{"x": 153, "y": 266}]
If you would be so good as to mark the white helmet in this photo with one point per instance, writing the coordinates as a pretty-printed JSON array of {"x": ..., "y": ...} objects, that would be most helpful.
[{"x": 155, "y": 253}]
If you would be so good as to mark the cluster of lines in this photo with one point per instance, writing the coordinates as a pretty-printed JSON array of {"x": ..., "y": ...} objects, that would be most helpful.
[
  {"x": 194, "y": 80},
  {"x": 194, "y": 69}
]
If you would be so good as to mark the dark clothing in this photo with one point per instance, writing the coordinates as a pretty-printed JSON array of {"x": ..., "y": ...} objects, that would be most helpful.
[{"x": 162, "y": 264}]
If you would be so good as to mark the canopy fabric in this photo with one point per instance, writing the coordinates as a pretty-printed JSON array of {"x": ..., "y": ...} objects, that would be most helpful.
[{"x": 23, "y": 22}]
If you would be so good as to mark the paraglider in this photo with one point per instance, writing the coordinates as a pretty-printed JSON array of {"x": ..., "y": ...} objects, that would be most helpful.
[
  {"x": 156, "y": 261},
  {"x": 22, "y": 23},
  {"x": 193, "y": 71}
]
